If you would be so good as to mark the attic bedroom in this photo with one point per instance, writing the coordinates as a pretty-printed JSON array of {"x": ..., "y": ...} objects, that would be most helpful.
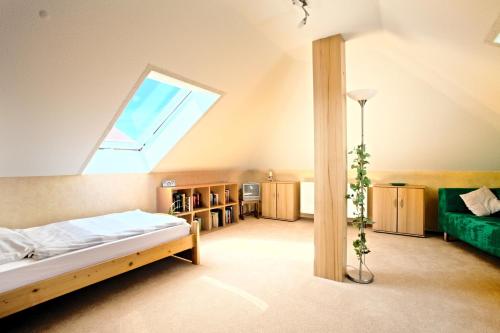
[{"x": 249, "y": 166}]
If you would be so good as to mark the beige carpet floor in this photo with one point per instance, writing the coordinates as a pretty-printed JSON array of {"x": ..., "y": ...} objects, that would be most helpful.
[{"x": 256, "y": 276}]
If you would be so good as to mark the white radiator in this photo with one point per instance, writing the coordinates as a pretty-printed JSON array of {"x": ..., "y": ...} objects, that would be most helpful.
[
  {"x": 307, "y": 200},
  {"x": 307, "y": 197}
]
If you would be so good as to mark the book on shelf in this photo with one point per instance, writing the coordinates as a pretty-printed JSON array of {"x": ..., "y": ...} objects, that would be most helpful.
[
  {"x": 229, "y": 214},
  {"x": 177, "y": 201},
  {"x": 219, "y": 217},
  {"x": 196, "y": 200},
  {"x": 227, "y": 195},
  {"x": 200, "y": 222},
  {"x": 215, "y": 219},
  {"x": 214, "y": 199},
  {"x": 182, "y": 202}
]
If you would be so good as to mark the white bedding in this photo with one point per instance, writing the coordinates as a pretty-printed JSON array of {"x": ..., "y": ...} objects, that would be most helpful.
[
  {"x": 62, "y": 237},
  {"x": 19, "y": 273},
  {"x": 14, "y": 246}
]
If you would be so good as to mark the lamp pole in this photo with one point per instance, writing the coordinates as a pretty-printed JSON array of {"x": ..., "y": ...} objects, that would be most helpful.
[{"x": 362, "y": 102}]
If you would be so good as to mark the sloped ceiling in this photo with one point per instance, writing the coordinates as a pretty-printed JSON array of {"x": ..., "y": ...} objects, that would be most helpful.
[{"x": 63, "y": 78}]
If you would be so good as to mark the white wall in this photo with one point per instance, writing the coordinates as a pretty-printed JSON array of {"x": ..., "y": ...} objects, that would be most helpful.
[
  {"x": 62, "y": 80},
  {"x": 414, "y": 123}
]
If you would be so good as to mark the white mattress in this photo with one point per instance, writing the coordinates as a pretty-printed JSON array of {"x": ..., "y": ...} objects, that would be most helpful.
[{"x": 19, "y": 273}]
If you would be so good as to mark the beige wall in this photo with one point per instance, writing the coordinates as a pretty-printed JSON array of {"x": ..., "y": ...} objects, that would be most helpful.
[
  {"x": 32, "y": 201},
  {"x": 419, "y": 120},
  {"x": 431, "y": 179},
  {"x": 415, "y": 122}
]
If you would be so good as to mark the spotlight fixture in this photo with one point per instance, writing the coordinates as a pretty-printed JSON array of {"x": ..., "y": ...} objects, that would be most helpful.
[{"x": 303, "y": 4}]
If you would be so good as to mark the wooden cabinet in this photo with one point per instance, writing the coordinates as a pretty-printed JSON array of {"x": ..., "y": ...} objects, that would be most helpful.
[
  {"x": 398, "y": 209},
  {"x": 268, "y": 193},
  {"x": 385, "y": 212},
  {"x": 280, "y": 200}
]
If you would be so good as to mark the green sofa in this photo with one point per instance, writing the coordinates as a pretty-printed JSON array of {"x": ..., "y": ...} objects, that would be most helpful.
[{"x": 456, "y": 220}]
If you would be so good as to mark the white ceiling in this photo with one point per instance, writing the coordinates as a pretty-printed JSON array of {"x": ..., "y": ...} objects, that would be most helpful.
[
  {"x": 279, "y": 21},
  {"x": 62, "y": 79}
]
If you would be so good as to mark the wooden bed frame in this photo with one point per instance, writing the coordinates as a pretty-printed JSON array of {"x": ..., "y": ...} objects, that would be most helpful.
[{"x": 27, "y": 296}]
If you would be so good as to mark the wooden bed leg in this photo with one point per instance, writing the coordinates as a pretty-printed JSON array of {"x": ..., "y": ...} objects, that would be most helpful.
[{"x": 195, "y": 252}]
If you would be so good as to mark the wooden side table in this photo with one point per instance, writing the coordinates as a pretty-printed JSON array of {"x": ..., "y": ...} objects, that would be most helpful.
[{"x": 255, "y": 203}]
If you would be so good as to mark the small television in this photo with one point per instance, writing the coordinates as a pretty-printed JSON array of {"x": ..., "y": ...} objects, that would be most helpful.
[{"x": 250, "y": 191}]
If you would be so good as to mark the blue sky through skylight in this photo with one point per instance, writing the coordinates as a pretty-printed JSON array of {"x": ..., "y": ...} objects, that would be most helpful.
[
  {"x": 150, "y": 106},
  {"x": 144, "y": 107}
]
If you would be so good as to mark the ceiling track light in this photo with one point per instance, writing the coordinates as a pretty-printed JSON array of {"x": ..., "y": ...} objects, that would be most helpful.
[{"x": 303, "y": 4}]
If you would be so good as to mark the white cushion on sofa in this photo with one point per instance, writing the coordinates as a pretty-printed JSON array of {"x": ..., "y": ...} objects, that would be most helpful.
[{"x": 481, "y": 202}]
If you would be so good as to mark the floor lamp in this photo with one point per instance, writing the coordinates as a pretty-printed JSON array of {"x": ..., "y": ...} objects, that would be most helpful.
[{"x": 358, "y": 274}]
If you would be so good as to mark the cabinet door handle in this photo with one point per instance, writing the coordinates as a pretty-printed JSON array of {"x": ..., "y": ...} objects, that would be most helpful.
[{"x": 401, "y": 203}]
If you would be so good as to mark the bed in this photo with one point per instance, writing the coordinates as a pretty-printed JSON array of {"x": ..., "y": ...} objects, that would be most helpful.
[{"x": 27, "y": 282}]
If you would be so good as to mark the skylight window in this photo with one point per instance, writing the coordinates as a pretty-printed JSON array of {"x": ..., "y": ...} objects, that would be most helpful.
[{"x": 161, "y": 111}]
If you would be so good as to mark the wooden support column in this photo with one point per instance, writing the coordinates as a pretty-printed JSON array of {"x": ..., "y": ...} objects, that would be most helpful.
[{"x": 330, "y": 158}]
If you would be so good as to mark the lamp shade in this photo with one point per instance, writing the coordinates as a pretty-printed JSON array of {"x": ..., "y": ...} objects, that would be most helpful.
[{"x": 362, "y": 94}]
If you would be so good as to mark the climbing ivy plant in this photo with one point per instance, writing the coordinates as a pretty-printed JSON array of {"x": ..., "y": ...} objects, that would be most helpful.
[{"x": 358, "y": 195}]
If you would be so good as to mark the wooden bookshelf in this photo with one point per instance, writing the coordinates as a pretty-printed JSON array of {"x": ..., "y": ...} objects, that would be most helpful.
[{"x": 164, "y": 201}]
